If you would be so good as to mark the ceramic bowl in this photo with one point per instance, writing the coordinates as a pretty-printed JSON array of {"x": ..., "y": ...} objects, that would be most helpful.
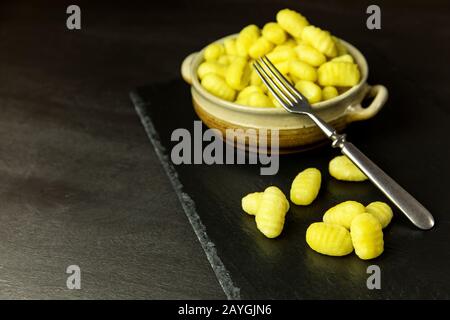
[{"x": 296, "y": 132}]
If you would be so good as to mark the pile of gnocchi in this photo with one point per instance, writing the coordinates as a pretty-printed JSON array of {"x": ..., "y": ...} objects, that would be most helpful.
[
  {"x": 345, "y": 227},
  {"x": 313, "y": 60}
]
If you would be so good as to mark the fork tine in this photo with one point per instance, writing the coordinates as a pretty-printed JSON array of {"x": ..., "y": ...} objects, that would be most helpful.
[
  {"x": 276, "y": 91},
  {"x": 282, "y": 79}
]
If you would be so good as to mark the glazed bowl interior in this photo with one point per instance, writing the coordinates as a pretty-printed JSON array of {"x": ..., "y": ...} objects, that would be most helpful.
[{"x": 357, "y": 55}]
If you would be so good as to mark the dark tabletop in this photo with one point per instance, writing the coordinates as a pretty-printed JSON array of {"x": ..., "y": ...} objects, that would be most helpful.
[{"x": 79, "y": 181}]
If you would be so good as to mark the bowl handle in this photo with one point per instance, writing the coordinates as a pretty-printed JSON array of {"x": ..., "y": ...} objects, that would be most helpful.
[
  {"x": 356, "y": 112},
  {"x": 186, "y": 67}
]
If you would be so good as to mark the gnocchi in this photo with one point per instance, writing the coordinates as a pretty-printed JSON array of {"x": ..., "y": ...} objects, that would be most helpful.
[
  {"x": 260, "y": 48},
  {"x": 213, "y": 51},
  {"x": 258, "y": 99},
  {"x": 329, "y": 92},
  {"x": 218, "y": 87},
  {"x": 274, "y": 33},
  {"x": 250, "y": 203},
  {"x": 381, "y": 211},
  {"x": 210, "y": 67},
  {"x": 320, "y": 40},
  {"x": 338, "y": 73},
  {"x": 342, "y": 168},
  {"x": 329, "y": 239},
  {"x": 246, "y": 39},
  {"x": 238, "y": 74},
  {"x": 313, "y": 60},
  {"x": 367, "y": 236},
  {"x": 310, "y": 55},
  {"x": 306, "y": 186},
  {"x": 344, "y": 213},
  {"x": 302, "y": 70},
  {"x": 271, "y": 212},
  {"x": 291, "y": 21},
  {"x": 309, "y": 90}
]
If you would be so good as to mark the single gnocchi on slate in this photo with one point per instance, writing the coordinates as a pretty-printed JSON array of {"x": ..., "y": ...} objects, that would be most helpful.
[
  {"x": 343, "y": 169},
  {"x": 306, "y": 186},
  {"x": 313, "y": 60}
]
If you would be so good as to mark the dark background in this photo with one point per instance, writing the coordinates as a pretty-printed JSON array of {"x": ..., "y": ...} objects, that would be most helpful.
[{"x": 79, "y": 180}]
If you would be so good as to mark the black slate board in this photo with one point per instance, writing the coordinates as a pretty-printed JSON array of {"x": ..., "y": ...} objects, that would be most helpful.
[{"x": 415, "y": 264}]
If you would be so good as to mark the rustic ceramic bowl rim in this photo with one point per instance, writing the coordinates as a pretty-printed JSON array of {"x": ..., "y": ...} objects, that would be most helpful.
[{"x": 359, "y": 58}]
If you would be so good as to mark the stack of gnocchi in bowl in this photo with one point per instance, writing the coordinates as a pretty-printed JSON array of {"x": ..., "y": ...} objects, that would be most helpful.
[{"x": 310, "y": 58}]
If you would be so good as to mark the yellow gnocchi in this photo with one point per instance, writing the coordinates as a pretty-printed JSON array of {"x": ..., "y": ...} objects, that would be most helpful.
[
  {"x": 309, "y": 90},
  {"x": 329, "y": 92},
  {"x": 320, "y": 40},
  {"x": 246, "y": 92},
  {"x": 213, "y": 52},
  {"x": 338, "y": 73},
  {"x": 210, "y": 67},
  {"x": 306, "y": 186},
  {"x": 258, "y": 99},
  {"x": 342, "y": 168},
  {"x": 344, "y": 58},
  {"x": 329, "y": 239},
  {"x": 281, "y": 53},
  {"x": 381, "y": 211},
  {"x": 230, "y": 47},
  {"x": 250, "y": 203},
  {"x": 260, "y": 47},
  {"x": 344, "y": 213},
  {"x": 246, "y": 39},
  {"x": 310, "y": 55},
  {"x": 218, "y": 87},
  {"x": 271, "y": 212},
  {"x": 367, "y": 236},
  {"x": 238, "y": 74},
  {"x": 274, "y": 33},
  {"x": 291, "y": 21},
  {"x": 302, "y": 70}
]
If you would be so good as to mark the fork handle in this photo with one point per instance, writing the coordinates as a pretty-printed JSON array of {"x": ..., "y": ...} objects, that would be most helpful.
[{"x": 415, "y": 211}]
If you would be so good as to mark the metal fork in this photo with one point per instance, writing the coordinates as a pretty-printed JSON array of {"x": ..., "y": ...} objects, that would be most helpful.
[{"x": 294, "y": 102}]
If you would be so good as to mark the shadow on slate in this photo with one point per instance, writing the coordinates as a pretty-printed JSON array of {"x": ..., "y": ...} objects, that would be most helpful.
[{"x": 415, "y": 264}]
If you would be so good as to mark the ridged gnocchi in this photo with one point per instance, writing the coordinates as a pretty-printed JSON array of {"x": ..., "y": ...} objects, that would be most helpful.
[
  {"x": 306, "y": 186},
  {"x": 329, "y": 239},
  {"x": 320, "y": 40},
  {"x": 310, "y": 55},
  {"x": 218, "y": 87},
  {"x": 344, "y": 213},
  {"x": 367, "y": 236},
  {"x": 246, "y": 38},
  {"x": 338, "y": 73},
  {"x": 309, "y": 90},
  {"x": 271, "y": 212},
  {"x": 259, "y": 48},
  {"x": 250, "y": 203},
  {"x": 302, "y": 71},
  {"x": 381, "y": 211},
  {"x": 274, "y": 33},
  {"x": 310, "y": 58},
  {"x": 211, "y": 67},
  {"x": 238, "y": 74},
  {"x": 342, "y": 168},
  {"x": 291, "y": 21},
  {"x": 213, "y": 51}
]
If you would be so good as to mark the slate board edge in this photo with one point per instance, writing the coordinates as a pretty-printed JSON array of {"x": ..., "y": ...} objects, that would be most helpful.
[{"x": 223, "y": 276}]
